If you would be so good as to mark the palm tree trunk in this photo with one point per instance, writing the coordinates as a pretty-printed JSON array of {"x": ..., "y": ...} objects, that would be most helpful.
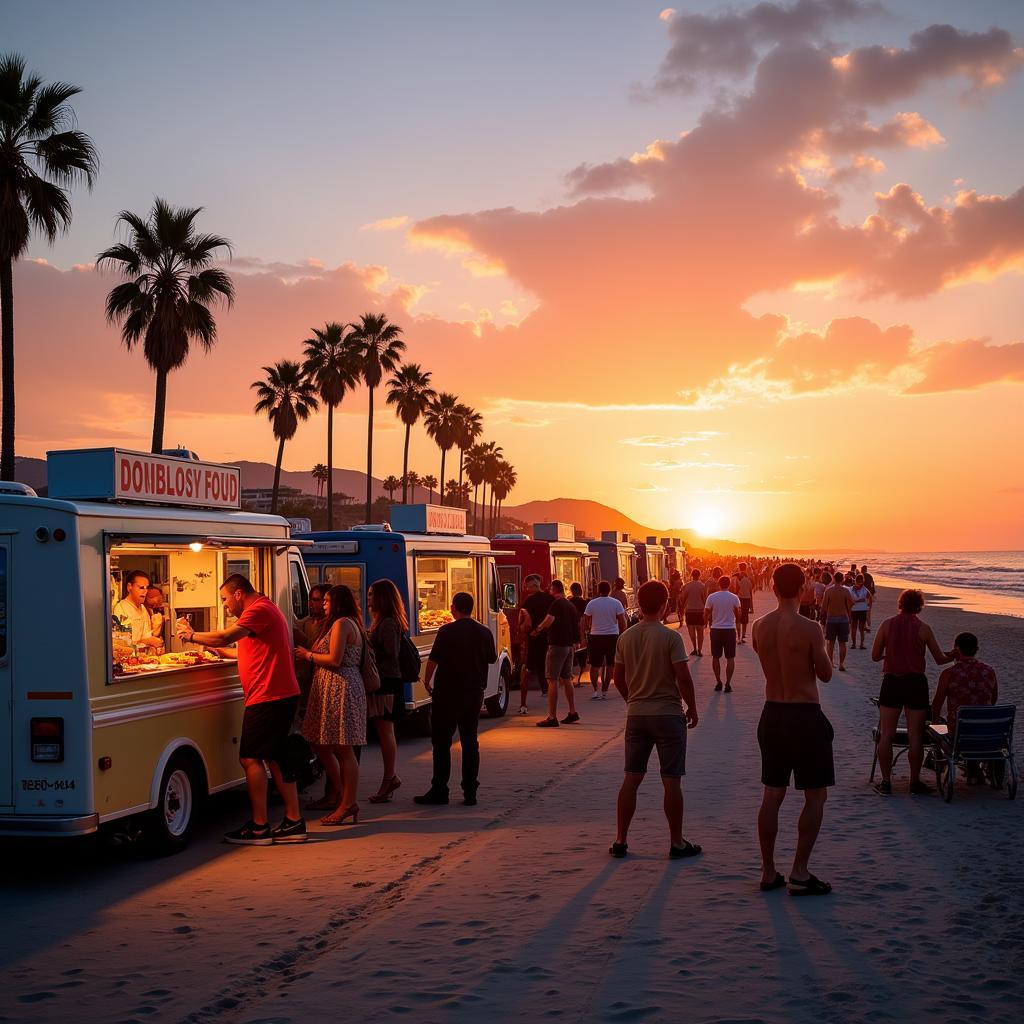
[
  {"x": 405, "y": 467},
  {"x": 330, "y": 466},
  {"x": 277, "y": 477},
  {"x": 159, "y": 410},
  {"x": 483, "y": 508},
  {"x": 444, "y": 452},
  {"x": 7, "y": 363},
  {"x": 462, "y": 454},
  {"x": 369, "y": 460}
]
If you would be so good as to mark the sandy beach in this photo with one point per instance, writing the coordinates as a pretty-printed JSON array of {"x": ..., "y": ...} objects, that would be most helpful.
[{"x": 513, "y": 909}]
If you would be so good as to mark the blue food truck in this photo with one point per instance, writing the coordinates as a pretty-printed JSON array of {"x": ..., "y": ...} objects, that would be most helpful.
[
  {"x": 427, "y": 554},
  {"x": 651, "y": 561},
  {"x": 616, "y": 556}
]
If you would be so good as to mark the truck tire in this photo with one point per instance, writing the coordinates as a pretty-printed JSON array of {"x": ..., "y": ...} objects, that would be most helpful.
[
  {"x": 169, "y": 826},
  {"x": 498, "y": 704}
]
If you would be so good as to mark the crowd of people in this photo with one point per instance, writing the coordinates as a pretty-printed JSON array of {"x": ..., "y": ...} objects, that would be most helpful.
[{"x": 335, "y": 676}]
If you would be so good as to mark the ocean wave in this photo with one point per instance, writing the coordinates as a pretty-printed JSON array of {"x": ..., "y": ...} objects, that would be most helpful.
[{"x": 996, "y": 568}]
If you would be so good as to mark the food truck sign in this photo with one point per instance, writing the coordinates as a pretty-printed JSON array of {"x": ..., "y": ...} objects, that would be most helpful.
[
  {"x": 428, "y": 519},
  {"x": 113, "y": 474}
]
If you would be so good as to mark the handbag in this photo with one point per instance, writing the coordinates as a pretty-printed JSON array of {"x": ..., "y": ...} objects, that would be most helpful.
[
  {"x": 368, "y": 667},
  {"x": 409, "y": 663}
]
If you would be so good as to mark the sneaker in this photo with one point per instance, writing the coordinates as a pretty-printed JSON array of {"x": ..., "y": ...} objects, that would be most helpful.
[
  {"x": 250, "y": 834},
  {"x": 432, "y": 798},
  {"x": 571, "y": 718},
  {"x": 596, "y": 696},
  {"x": 920, "y": 788},
  {"x": 604, "y": 696},
  {"x": 728, "y": 687},
  {"x": 548, "y": 723},
  {"x": 718, "y": 686},
  {"x": 523, "y": 709},
  {"x": 883, "y": 788},
  {"x": 290, "y": 831},
  {"x": 469, "y": 800}
]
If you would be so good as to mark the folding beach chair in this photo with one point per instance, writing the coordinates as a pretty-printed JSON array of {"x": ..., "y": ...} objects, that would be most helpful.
[
  {"x": 900, "y": 742},
  {"x": 980, "y": 735}
]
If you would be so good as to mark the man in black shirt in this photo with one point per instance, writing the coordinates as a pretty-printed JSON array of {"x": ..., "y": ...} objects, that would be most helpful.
[
  {"x": 563, "y": 628},
  {"x": 462, "y": 651},
  {"x": 579, "y": 602},
  {"x": 531, "y": 613}
]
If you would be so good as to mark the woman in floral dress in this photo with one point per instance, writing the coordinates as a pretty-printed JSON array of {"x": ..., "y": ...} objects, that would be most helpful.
[{"x": 335, "y": 719}]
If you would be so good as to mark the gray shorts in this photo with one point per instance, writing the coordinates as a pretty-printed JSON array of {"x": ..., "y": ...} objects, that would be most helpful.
[
  {"x": 667, "y": 733},
  {"x": 558, "y": 662}
]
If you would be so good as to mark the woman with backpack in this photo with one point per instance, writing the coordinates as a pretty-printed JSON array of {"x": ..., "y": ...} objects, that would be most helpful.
[
  {"x": 335, "y": 720},
  {"x": 388, "y": 626}
]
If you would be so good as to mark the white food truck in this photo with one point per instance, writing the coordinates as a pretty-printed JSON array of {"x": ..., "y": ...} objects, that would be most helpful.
[{"x": 95, "y": 727}]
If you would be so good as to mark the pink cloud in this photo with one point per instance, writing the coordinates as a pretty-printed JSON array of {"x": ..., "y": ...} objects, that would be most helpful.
[{"x": 963, "y": 365}]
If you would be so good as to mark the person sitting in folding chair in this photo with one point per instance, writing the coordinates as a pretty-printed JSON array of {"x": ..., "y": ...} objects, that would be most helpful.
[{"x": 966, "y": 683}]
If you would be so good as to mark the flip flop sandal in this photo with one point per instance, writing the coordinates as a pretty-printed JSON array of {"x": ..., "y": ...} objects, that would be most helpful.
[
  {"x": 688, "y": 849},
  {"x": 618, "y": 849},
  {"x": 777, "y": 883},
  {"x": 809, "y": 886}
]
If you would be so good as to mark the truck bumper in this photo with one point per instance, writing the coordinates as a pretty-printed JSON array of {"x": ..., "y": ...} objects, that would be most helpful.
[{"x": 48, "y": 825}]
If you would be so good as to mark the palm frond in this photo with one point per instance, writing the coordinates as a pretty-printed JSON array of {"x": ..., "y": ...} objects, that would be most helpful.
[
  {"x": 47, "y": 205},
  {"x": 68, "y": 157},
  {"x": 47, "y": 114}
]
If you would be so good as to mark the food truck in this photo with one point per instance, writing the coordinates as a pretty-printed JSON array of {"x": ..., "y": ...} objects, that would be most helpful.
[
  {"x": 616, "y": 556},
  {"x": 651, "y": 563},
  {"x": 675, "y": 555},
  {"x": 427, "y": 554},
  {"x": 552, "y": 554},
  {"x": 99, "y": 728}
]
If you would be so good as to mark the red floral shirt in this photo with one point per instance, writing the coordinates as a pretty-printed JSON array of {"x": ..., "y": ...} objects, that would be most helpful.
[{"x": 970, "y": 683}]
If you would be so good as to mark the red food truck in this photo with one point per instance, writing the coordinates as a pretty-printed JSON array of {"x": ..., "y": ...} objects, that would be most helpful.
[{"x": 553, "y": 554}]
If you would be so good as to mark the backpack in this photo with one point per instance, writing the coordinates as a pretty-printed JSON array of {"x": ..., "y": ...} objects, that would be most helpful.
[
  {"x": 368, "y": 667},
  {"x": 408, "y": 659}
]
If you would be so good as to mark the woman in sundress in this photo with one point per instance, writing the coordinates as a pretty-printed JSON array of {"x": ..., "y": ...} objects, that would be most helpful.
[{"x": 335, "y": 720}]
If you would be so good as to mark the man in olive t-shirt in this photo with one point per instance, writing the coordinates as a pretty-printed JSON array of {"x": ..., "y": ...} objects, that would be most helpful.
[{"x": 654, "y": 680}]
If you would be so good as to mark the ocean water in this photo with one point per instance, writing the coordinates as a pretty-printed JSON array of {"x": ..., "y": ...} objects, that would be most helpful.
[{"x": 992, "y": 574}]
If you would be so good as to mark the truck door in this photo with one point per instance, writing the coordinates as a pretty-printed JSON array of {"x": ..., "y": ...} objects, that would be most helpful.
[{"x": 6, "y": 683}]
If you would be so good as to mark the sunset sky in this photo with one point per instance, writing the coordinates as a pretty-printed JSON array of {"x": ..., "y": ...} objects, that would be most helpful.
[{"x": 755, "y": 270}]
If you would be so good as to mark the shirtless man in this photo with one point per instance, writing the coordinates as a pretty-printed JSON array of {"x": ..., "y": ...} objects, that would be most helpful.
[
  {"x": 836, "y": 611},
  {"x": 794, "y": 735},
  {"x": 808, "y": 597}
]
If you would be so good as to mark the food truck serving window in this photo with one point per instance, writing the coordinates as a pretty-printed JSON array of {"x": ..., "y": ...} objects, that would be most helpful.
[
  {"x": 568, "y": 569},
  {"x": 152, "y": 585},
  {"x": 350, "y": 576},
  {"x": 626, "y": 568},
  {"x": 438, "y": 579}
]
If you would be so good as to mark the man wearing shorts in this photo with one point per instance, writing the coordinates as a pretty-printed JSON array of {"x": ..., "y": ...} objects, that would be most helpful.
[
  {"x": 691, "y": 612},
  {"x": 604, "y": 619},
  {"x": 722, "y": 613},
  {"x": 836, "y": 607},
  {"x": 531, "y": 613},
  {"x": 266, "y": 670},
  {"x": 745, "y": 592},
  {"x": 561, "y": 628},
  {"x": 859, "y": 611},
  {"x": 652, "y": 675},
  {"x": 794, "y": 735}
]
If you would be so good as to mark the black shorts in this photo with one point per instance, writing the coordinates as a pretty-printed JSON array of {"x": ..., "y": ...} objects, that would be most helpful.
[
  {"x": 667, "y": 733},
  {"x": 601, "y": 650},
  {"x": 265, "y": 730},
  {"x": 859, "y": 616},
  {"x": 795, "y": 739},
  {"x": 723, "y": 641},
  {"x": 694, "y": 618},
  {"x": 536, "y": 654},
  {"x": 909, "y": 691},
  {"x": 746, "y": 607}
]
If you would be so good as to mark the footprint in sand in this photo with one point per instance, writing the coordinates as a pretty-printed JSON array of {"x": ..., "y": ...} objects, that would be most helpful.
[{"x": 35, "y": 997}]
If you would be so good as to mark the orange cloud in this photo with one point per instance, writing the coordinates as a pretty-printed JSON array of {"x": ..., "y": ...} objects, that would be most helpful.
[
  {"x": 964, "y": 365},
  {"x": 386, "y": 224}
]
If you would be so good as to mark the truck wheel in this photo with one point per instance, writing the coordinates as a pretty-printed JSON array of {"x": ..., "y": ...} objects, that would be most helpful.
[
  {"x": 168, "y": 827},
  {"x": 424, "y": 721},
  {"x": 498, "y": 704}
]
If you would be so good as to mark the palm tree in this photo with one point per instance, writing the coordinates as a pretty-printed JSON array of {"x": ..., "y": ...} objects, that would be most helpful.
[
  {"x": 409, "y": 391},
  {"x": 41, "y": 157},
  {"x": 505, "y": 480},
  {"x": 172, "y": 283},
  {"x": 319, "y": 474},
  {"x": 412, "y": 479},
  {"x": 331, "y": 363},
  {"x": 287, "y": 396},
  {"x": 442, "y": 422},
  {"x": 379, "y": 350},
  {"x": 471, "y": 426},
  {"x": 491, "y": 458},
  {"x": 430, "y": 482},
  {"x": 474, "y": 463},
  {"x": 457, "y": 494},
  {"x": 391, "y": 484}
]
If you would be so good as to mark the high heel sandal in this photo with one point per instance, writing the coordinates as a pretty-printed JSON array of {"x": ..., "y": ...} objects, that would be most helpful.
[
  {"x": 339, "y": 819},
  {"x": 388, "y": 787}
]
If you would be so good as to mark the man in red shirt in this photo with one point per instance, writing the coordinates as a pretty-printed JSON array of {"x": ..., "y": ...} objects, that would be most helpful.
[{"x": 266, "y": 669}]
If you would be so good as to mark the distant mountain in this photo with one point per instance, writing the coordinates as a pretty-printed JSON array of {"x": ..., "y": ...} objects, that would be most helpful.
[
  {"x": 592, "y": 517},
  {"x": 346, "y": 481}
]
